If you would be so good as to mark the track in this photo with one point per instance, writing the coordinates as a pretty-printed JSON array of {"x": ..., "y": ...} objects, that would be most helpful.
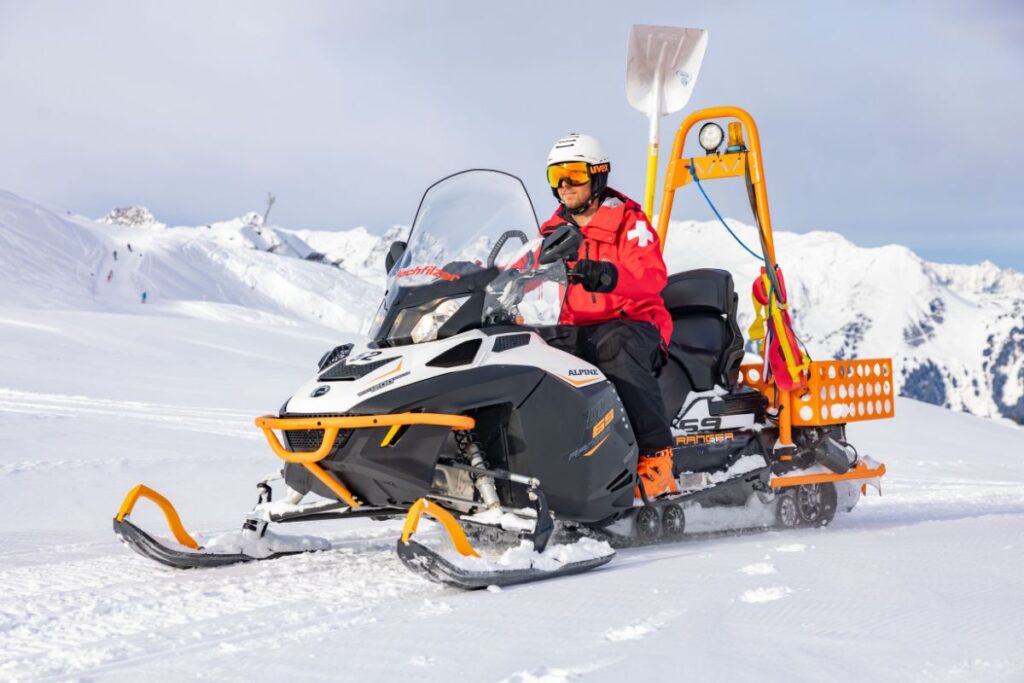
[
  {"x": 198, "y": 419},
  {"x": 87, "y": 613},
  {"x": 98, "y": 610}
]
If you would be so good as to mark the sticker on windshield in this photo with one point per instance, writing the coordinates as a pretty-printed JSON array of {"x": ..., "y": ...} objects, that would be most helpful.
[{"x": 432, "y": 271}]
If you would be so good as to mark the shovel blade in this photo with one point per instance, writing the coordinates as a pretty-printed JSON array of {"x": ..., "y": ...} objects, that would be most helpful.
[{"x": 662, "y": 67}]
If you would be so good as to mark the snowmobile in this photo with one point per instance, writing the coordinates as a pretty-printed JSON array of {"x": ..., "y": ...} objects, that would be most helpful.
[{"x": 456, "y": 407}]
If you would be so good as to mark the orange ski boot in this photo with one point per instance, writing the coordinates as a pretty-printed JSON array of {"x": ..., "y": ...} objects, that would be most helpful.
[{"x": 655, "y": 472}]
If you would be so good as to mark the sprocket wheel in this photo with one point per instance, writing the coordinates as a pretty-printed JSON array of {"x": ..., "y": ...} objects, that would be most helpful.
[
  {"x": 816, "y": 503},
  {"x": 673, "y": 521},
  {"x": 648, "y": 523},
  {"x": 787, "y": 515}
]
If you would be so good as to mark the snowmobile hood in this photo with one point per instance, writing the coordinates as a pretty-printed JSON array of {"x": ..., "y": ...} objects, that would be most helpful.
[{"x": 368, "y": 373}]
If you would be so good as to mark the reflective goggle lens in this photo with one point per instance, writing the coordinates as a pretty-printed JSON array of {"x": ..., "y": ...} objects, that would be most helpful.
[{"x": 574, "y": 171}]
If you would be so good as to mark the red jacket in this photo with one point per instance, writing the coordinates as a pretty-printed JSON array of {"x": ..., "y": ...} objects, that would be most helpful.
[{"x": 620, "y": 233}]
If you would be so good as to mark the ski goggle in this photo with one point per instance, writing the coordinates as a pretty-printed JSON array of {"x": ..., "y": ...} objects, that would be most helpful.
[{"x": 576, "y": 172}]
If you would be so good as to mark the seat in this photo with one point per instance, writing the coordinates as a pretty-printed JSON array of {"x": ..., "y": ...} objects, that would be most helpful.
[{"x": 706, "y": 347}]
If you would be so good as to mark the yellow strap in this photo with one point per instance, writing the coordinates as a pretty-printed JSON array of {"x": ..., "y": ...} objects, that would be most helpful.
[
  {"x": 795, "y": 370},
  {"x": 758, "y": 328},
  {"x": 792, "y": 366}
]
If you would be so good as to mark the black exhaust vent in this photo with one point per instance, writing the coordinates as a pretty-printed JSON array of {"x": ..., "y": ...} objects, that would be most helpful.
[
  {"x": 625, "y": 478},
  {"x": 510, "y": 341},
  {"x": 460, "y": 354},
  {"x": 346, "y": 372}
]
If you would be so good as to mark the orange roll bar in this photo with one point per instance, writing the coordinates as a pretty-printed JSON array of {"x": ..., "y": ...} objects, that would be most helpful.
[
  {"x": 719, "y": 166},
  {"x": 332, "y": 425}
]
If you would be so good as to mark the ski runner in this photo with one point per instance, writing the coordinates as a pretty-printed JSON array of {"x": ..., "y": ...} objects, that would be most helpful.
[{"x": 614, "y": 316}]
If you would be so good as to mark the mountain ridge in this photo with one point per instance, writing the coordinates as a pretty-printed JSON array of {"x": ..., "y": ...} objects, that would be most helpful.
[{"x": 955, "y": 331}]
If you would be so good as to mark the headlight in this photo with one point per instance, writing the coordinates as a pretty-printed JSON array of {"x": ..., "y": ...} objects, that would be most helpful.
[
  {"x": 334, "y": 355},
  {"x": 426, "y": 321},
  {"x": 710, "y": 137},
  {"x": 429, "y": 325}
]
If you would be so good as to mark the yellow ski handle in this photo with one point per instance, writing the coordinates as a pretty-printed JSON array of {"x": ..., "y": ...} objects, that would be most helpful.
[{"x": 173, "y": 520}]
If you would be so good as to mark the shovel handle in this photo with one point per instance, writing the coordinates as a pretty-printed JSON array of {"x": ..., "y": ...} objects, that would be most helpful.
[{"x": 652, "y": 177}]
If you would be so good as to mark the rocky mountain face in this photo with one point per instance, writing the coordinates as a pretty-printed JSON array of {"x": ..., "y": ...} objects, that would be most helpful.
[
  {"x": 131, "y": 216},
  {"x": 954, "y": 331}
]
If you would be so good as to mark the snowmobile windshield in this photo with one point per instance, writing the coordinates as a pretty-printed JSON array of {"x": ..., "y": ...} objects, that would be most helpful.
[{"x": 471, "y": 261}]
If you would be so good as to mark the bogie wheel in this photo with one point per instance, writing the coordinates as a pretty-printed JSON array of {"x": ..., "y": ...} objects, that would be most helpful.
[
  {"x": 787, "y": 515},
  {"x": 673, "y": 521},
  {"x": 648, "y": 523},
  {"x": 816, "y": 503}
]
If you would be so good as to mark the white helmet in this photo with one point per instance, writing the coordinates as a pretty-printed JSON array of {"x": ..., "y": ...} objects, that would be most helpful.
[{"x": 579, "y": 147}]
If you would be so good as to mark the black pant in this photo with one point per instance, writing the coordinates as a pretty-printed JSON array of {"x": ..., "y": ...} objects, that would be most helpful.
[{"x": 629, "y": 353}]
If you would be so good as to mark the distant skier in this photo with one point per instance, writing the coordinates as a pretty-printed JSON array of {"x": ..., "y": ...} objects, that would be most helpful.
[
  {"x": 110, "y": 276},
  {"x": 115, "y": 254},
  {"x": 129, "y": 247},
  {"x": 143, "y": 297}
]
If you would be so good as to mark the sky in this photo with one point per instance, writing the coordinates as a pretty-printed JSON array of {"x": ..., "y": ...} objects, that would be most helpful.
[{"x": 887, "y": 122}]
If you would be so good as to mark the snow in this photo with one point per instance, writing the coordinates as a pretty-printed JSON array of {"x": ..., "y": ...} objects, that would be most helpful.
[
  {"x": 263, "y": 546},
  {"x": 758, "y": 569},
  {"x": 765, "y": 594},
  {"x": 523, "y": 519},
  {"x": 523, "y": 556},
  {"x": 636, "y": 630},
  {"x": 98, "y": 393}
]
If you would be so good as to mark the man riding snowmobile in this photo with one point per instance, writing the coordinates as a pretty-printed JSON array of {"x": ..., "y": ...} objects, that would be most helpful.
[
  {"x": 455, "y": 406},
  {"x": 614, "y": 316}
]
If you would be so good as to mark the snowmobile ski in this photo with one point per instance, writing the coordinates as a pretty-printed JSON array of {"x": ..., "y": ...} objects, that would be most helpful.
[
  {"x": 435, "y": 567},
  {"x": 426, "y": 562},
  {"x": 147, "y": 546}
]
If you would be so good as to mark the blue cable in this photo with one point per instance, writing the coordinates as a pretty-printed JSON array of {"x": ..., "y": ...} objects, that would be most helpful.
[{"x": 721, "y": 220}]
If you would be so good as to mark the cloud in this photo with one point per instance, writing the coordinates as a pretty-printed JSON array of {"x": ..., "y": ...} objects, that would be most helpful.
[{"x": 874, "y": 116}]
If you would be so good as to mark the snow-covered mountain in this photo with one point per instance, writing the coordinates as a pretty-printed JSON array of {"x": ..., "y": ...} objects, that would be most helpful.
[
  {"x": 100, "y": 392},
  {"x": 234, "y": 269},
  {"x": 955, "y": 331}
]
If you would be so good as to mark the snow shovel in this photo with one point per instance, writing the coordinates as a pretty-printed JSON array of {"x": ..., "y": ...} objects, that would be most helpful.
[{"x": 661, "y": 71}]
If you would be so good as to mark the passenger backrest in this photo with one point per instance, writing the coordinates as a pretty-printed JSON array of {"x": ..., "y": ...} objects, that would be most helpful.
[{"x": 706, "y": 341}]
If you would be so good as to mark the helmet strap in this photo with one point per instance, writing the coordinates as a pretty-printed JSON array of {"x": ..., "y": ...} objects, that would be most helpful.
[{"x": 582, "y": 208}]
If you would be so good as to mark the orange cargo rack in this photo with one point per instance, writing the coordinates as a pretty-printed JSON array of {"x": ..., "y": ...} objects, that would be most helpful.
[{"x": 838, "y": 391}]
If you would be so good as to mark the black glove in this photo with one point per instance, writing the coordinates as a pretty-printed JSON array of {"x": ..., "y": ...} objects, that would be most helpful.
[
  {"x": 595, "y": 276},
  {"x": 461, "y": 267}
]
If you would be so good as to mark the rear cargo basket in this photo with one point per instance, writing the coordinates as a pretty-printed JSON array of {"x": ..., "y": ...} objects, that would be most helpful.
[{"x": 839, "y": 391}]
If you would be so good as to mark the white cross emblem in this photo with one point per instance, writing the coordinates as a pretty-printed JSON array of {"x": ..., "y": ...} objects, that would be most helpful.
[{"x": 641, "y": 232}]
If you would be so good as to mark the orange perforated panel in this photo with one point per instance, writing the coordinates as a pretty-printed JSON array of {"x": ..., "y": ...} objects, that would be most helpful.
[{"x": 838, "y": 391}]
